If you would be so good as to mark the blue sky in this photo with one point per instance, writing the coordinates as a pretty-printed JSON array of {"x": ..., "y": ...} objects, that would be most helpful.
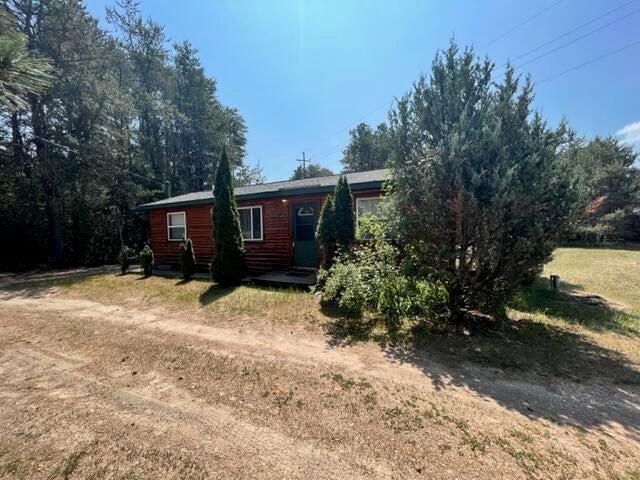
[{"x": 302, "y": 72}]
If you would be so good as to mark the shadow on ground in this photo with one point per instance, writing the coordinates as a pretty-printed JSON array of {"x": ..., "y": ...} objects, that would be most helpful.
[
  {"x": 45, "y": 283},
  {"x": 537, "y": 368},
  {"x": 214, "y": 293},
  {"x": 573, "y": 305}
]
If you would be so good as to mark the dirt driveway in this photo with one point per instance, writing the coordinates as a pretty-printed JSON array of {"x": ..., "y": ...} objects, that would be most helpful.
[{"x": 103, "y": 390}]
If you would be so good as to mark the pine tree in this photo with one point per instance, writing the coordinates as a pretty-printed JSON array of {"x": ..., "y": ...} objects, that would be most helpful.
[
  {"x": 21, "y": 72},
  {"x": 228, "y": 265},
  {"x": 326, "y": 232},
  {"x": 187, "y": 259},
  {"x": 310, "y": 171},
  {"x": 345, "y": 223},
  {"x": 481, "y": 187},
  {"x": 367, "y": 149}
]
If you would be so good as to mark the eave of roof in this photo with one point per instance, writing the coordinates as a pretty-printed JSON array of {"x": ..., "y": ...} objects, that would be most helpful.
[{"x": 375, "y": 180}]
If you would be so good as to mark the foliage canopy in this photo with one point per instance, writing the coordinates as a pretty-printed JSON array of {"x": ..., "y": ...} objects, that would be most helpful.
[{"x": 482, "y": 187}]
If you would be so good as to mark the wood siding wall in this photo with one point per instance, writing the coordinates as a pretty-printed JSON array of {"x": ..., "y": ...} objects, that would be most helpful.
[{"x": 274, "y": 251}]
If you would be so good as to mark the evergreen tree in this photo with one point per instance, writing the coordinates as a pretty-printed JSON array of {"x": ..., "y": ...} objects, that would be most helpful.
[
  {"x": 121, "y": 115},
  {"x": 311, "y": 171},
  {"x": 21, "y": 72},
  {"x": 367, "y": 149},
  {"x": 146, "y": 260},
  {"x": 326, "y": 232},
  {"x": 228, "y": 266},
  {"x": 481, "y": 186},
  {"x": 187, "y": 259},
  {"x": 246, "y": 175},
  {"x": 344, "y": 215},
  {"x": 611, "y": 184}
]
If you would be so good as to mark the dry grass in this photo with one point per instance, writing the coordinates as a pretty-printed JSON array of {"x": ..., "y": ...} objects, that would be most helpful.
[{"x": 264, "y": 306}]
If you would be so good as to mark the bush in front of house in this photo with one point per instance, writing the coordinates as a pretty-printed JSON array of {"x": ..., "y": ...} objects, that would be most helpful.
[
  {"x": 187, "y": 259},
  {"x": 124, "y": 257},
  {"x": 146, "y": 260},
  {"x": 326, "y": 232},
  {"x": 370, "y": 279},
  {"x": 228, "y": 266}
]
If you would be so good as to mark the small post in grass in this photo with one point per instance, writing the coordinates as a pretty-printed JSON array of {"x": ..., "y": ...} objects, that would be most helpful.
[{"x": 554, "y": 282}]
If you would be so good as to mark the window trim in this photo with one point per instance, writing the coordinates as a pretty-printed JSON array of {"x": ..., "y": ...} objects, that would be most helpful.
[
  {"x": 379, "y": 197},
  {"x": 251, "y": 207},
  {"x": 169, "y": 226}
]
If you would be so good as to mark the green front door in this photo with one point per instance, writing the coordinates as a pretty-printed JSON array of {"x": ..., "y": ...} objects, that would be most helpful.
[{"x": 305, "y": 249}]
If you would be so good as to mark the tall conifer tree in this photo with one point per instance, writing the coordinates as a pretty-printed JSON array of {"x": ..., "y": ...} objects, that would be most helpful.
[
  {"x": 345, "y": 222},
  {"x": 228, "y": 265}
]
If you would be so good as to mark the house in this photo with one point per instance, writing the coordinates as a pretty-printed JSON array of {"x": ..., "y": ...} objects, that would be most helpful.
[{"x": 278, "y": 220}]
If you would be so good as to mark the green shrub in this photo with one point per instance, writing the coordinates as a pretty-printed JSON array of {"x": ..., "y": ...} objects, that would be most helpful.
[
  {"x": 146, "y": 260},
  {"x": 370, "y": 279},
  {"x": 187, "y": 259},
  {"x": 126, "y": 255}
]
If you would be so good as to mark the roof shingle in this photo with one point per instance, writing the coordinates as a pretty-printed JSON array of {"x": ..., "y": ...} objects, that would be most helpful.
[{"x": 357, "y": 181}]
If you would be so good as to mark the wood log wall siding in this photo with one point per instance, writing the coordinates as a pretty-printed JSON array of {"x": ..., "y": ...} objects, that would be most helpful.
[{"x": 273, "y": 252}]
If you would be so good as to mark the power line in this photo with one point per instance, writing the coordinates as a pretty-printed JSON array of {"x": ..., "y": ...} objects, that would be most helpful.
[
  {"x": 544, "y": 80},
  {"x": 352, "y": 124},
  {"x": 332, "y": 150},
  {"x": 570, "y": 42},
  {"x": 521, "y": 24},
  {"x": 588, "y": 62},
  {"x": 575, "y": 29}
]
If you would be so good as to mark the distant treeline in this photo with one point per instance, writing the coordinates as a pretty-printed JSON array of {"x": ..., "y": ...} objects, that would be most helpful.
[{"x": 95, "y": 122}]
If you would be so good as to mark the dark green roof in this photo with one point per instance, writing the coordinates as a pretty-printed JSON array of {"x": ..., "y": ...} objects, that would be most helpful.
[{"x": 357, "y": 181}]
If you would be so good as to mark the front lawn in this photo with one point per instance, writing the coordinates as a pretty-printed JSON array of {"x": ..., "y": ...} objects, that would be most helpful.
[
  {"x": 160, "y": 378},
  {"x": 589, "y": 328}
]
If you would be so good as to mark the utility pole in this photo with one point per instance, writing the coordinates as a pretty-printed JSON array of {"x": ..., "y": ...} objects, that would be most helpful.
[{"x": 304, "y": 164}]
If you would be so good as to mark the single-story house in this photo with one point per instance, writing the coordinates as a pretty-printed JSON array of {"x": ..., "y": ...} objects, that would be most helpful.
[{"x": 278, "y": 220}]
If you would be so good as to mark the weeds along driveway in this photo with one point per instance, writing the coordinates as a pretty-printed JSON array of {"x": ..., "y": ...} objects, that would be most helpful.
[{"x": 110, "y": 390}]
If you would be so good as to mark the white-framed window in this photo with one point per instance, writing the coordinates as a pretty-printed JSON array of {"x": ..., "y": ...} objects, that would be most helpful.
[
  {"x": 251, "y": 222},
  {"x": 368, "y": 206},
  {"x": 176, "y": 226}
]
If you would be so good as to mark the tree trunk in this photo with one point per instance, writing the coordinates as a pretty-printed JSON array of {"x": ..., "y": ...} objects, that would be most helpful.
[{"x": 56, "y": 221}]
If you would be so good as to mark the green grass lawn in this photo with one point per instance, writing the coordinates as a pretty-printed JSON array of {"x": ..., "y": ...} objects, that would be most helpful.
[
  {"x": 612, "y": 273},
  {"x": 600, "y": 290}
]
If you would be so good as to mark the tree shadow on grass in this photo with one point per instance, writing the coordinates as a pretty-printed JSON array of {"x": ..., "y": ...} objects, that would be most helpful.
[
  {"x": 572, "y": 305},
  {"x": 214, "y": 293}
]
